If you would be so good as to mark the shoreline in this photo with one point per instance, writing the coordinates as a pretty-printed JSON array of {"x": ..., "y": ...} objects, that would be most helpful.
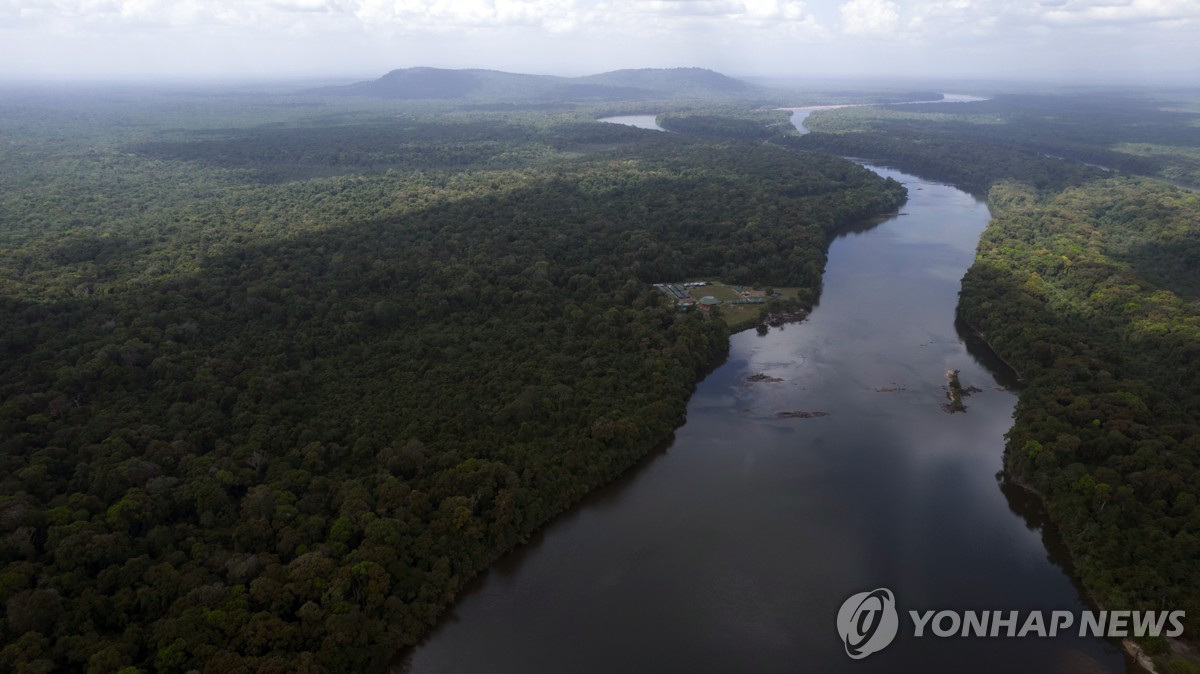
[
  {"x": 1131, "y": 648},
  {"x": 1128, "y": 645},
  {"x": 395, "y": 661},
  {"x": 984, "y": 340}
]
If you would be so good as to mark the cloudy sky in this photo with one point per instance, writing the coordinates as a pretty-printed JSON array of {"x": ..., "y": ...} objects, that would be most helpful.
[{"x": 1022, "y": 39}]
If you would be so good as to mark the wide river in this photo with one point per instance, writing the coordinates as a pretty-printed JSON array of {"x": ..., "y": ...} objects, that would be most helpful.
[{"x": 732, "y": 549}]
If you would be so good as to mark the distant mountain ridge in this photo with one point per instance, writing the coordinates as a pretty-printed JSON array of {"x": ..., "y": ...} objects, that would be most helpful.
[{"x": 478, "y": 84}]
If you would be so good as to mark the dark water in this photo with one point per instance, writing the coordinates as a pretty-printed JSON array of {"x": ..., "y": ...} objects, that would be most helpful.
[{"x": 732, "y": 549}]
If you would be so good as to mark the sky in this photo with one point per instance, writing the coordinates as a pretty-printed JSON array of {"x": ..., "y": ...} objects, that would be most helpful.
[{"x": 1035, "y": 40}]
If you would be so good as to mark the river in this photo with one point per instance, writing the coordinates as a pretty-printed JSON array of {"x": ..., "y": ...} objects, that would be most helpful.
[
  {"x": 801, "y": 114},
  {"x": 640, "y": 121},
  {"x": 731, "y": 549}
]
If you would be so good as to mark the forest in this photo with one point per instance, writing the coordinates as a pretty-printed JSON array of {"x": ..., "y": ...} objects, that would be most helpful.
[
  {"x": 279, "y": 374},
  {"x": 1087, "y": 281},
  {"x": 1049, "y": 141}
]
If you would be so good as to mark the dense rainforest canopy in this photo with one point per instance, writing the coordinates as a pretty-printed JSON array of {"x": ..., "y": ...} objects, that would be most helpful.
[
  {"x": 277, "y": 376},
  {"x": 1088, "y": 282}
]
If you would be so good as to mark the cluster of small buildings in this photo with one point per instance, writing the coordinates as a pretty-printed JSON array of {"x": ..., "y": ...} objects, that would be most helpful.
[
  {"x": 675, "y": 290},
  {"x": 678, "y": 289},
  {"x": 684, "y": 300}
]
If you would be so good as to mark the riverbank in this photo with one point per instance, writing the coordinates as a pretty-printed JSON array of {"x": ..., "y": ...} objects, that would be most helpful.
[
  {"x": 1013, "y": 475},
  {"x": 1138, "y": 655},
  {"x": 790, "y": 300},
  {"x": 984, "y": 340}
]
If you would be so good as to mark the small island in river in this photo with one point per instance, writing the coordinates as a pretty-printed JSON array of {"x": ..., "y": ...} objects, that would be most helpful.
[
  {"x": 800, "y": 415},
  {"x": 955, "y": 392},
  {"x": 761, "y": 377}
]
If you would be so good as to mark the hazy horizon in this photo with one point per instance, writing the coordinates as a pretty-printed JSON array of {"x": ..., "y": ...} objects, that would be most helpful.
[{"x": 1088, "y": 41}]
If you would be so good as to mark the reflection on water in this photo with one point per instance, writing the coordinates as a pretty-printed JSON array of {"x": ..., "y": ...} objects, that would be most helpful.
[
  {"x": 732, "y": 549},
  {"x": 983, "y": 353},
  {"x": 640, "y": 121}
]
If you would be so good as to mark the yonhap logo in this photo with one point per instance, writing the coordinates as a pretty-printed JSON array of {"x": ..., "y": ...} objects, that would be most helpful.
[{"x": 868, "y": 622}]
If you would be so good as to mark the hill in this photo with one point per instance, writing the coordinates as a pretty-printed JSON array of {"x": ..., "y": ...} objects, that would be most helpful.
[
  {"x": 475, "y": 84},
  {"x": 442, "y": 83},
  {"x": 675, "y": 81}
]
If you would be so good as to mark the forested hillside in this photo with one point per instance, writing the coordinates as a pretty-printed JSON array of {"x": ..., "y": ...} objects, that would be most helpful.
[
  {"x": 1089, "y": 285},
  {"x": 271, "y": 392}
]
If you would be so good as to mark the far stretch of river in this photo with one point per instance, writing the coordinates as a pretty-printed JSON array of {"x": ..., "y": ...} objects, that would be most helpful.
[
  {"x": 801, "y": 114},
  {"x": 732, "y": 549},
  {"x": 640, "y": 121}
]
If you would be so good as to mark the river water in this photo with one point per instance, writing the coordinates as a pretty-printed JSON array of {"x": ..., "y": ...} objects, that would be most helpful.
[
  {"x": 731, "y": 549},
  {"x": 640, "y": 121},
  {"x": 801, "y": 114}
]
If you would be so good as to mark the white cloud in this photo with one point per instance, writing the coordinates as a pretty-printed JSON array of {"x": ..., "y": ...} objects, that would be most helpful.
[
  {"x": 775, "y": 36},
  {"x": 870, "y": 17},
  {"x": 1124, "y": 12},
  {"x": 943, "y": 21},
  {"x": 775, "y": 10},
  {"x": 317, "y": 6},
  {"x": 555, "y": 15},
  {"x": 857, "y": 17}
]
